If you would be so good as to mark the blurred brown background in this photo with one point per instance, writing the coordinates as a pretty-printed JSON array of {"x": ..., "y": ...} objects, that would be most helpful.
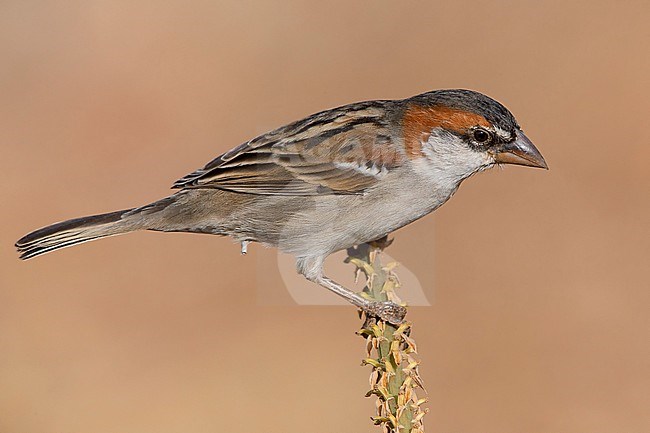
[{"x": 540, "y": 279}]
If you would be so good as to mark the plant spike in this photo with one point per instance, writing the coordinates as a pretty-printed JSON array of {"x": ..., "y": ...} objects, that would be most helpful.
[{"x": 390, "y": 349}]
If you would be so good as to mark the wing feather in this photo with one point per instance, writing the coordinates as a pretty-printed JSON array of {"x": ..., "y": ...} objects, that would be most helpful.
[{"x": 341, "y": 151}]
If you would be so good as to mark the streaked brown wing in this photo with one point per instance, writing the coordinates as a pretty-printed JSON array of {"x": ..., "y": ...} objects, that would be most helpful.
[{"x": 340, "y": 151}]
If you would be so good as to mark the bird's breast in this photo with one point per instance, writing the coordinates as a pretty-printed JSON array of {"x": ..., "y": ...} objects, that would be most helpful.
[{"x": 321, "y": 225}]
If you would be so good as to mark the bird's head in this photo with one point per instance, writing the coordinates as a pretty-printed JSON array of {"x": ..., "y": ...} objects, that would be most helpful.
[{"x": 455, "y": 133}]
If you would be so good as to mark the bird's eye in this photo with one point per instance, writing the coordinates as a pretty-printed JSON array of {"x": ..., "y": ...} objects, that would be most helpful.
[{"x": 481, "y": 135}]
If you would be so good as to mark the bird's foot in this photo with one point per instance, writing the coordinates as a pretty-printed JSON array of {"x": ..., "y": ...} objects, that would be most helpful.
[{"x": 387, "y": 311}]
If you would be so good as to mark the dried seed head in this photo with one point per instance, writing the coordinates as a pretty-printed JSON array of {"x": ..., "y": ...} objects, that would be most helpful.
[{"x": 390, "y": 350}]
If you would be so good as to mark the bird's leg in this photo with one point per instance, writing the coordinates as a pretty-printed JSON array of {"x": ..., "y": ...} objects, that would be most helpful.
[{"x": 389, "y": 311}]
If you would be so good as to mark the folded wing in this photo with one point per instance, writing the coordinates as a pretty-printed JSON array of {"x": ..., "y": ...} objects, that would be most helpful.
[{"x": 341, "y": 151}]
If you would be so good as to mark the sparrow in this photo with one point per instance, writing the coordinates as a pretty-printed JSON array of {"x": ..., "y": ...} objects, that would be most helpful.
[{"x": 335, "y": 179}]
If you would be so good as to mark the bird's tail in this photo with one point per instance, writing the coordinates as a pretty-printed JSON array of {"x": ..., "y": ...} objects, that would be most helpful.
[{"x": 76, "y": 231}]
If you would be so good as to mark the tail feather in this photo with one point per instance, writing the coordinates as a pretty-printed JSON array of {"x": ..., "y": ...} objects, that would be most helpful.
[{"x": 72, "y": 232}]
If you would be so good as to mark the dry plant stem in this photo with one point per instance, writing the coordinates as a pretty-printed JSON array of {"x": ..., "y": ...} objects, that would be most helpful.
[{"x": 391, "y": 352}]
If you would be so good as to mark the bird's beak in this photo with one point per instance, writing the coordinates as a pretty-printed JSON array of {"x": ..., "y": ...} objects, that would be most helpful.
[{"x": 520, "y": 152}]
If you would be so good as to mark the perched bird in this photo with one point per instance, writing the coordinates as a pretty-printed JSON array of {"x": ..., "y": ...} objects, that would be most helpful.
[{"x": 332, "y": 180}]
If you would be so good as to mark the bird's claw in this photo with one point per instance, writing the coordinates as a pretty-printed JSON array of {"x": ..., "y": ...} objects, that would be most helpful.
[{"x": 387, "y": 311}]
